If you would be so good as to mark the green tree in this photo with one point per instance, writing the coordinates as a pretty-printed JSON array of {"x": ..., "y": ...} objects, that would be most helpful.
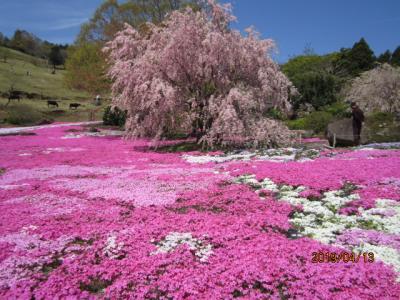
[
  {"x": 352, "y": 62},
  {"x": 385, "y": 57},
  {"x": 4, "y": 54},
  {"x": 297, "y": 66},
  {"x": 107, "y": 20},
  {"x": 56, "y": 57},
  {"x": 318, "y": 89},
  {"x": 114, "y": 116},
  {"x": 25, "y": 42},
  {"x": 86, "y": 68},
  {"x": 313, "y": 77},
  {"x": 110, "y": 17},
  {"x": 2, "y": 39},
  {"x": 17, "y": 41},
  {"x": 30, "y": 44},
  {"x": 395, "y": 60}
]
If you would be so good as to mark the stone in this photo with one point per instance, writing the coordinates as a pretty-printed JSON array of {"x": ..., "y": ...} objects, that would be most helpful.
[
  {"x": 370, "y": 133},
  {"x": 343, "y": 130}
]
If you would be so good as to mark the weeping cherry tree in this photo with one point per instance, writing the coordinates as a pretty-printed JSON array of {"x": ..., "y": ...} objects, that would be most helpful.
[{"x": 194, "y": 73}]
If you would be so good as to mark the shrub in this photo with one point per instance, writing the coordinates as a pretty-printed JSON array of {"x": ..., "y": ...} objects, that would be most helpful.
[
  {"x": 114, "y": 116},
  {"x": 318, "y": 121},
  {"x": 378, "y": 118},
  {"x": 298, "y": 124},
  {"x": 317, "y": 88},
  {"x": 382, "y": 127},
  {"x": 23, "y": 114},
  {"x": 312, "y": 76},
  {"x": 338, "y": 109}
]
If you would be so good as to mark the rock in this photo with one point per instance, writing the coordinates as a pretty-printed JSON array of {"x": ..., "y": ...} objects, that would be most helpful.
[
  {"x": 343, "y": 130},
  {"x": 370, "y": 133}
]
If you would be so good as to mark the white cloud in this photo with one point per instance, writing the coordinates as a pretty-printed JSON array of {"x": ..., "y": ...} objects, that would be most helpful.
[{"x": 67, "y": 23}]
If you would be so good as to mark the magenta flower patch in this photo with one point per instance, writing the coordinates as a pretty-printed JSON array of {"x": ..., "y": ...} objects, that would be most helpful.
[{"x": 97, "y": 216}]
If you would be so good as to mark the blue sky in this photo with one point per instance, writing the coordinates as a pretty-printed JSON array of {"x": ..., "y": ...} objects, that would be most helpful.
[{"x": 325, "y": 25}]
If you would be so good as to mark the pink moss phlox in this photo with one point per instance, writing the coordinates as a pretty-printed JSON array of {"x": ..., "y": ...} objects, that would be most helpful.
[{"x": 85, "y": 224}]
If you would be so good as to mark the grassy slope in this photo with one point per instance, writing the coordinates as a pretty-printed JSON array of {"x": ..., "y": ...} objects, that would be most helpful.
[{"x": 41, "y": 82}]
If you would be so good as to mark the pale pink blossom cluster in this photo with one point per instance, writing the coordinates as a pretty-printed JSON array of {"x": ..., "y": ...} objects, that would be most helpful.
[{"x": 377, "y": 89}]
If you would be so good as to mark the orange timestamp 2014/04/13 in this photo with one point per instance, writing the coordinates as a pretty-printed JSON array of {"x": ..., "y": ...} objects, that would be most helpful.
[{"x": 346, "y": 257}]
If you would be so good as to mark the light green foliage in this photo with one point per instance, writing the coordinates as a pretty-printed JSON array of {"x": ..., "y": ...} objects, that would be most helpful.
[
  {"x": 313, "y": 77},
  {"x": 302, "y": 64},
  {"x": 110, "y": 17},
  {"x": 338, "y": 109},
  {"x": 86, "y": 64},
  {"x": 298, "y": 124},
  {"x": 86, "y": 69},
  {"x": 316, "y": 121}
]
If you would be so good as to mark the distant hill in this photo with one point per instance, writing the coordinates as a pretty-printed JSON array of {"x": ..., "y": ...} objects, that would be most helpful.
[{"x": 33, "y": 76}]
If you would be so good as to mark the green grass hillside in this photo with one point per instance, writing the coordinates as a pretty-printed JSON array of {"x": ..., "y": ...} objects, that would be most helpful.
[
  {"x": 42, "y": 85},
  {"x": 14, "y": 70}
]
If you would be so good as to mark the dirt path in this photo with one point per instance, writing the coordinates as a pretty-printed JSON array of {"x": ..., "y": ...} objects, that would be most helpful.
[{"x": 22, "y": 129}]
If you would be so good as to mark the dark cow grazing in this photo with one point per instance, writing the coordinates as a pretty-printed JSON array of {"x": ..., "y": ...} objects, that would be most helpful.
[
  {"x": 52, "y": 103},
  {"x": 74, "y": 105},
  {"x": 14, "y": 95}
]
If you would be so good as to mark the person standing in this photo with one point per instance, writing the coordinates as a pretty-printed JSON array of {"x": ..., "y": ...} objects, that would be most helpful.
[
  {"x": 358, "y": 119},
  {"x": 98, "y": 100}
]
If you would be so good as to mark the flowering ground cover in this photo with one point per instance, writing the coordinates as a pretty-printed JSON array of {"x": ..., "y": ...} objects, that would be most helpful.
[{"x": 91, "y": 216}]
